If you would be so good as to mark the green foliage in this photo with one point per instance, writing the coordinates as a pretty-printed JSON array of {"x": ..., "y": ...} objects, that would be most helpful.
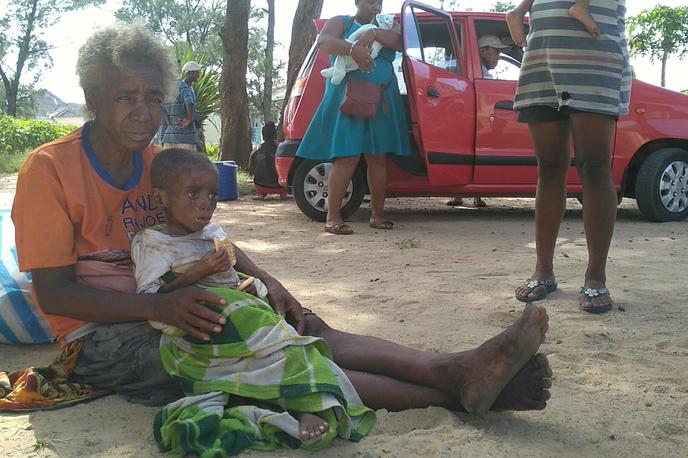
[
  {"x": 257, "y": 68},
  {"x": 17, "y": 136},
  {"x": 503, "y": 7},
  {"x": 25, "y": 101},
  {"x": 191, "y": 25},
  {"x": 449, "y": 5},
  {"x": 685, "y": 91},
  {"x": 22, "y": 23},
  {"x": 213, "y": 152},
  {"x": 659, "y": 33}
]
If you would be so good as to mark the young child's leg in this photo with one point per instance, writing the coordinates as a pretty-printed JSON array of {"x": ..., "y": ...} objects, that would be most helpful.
[
  {"x": 581, "y": 12},
  {"x": 311, "y": 428},
  {"x": 514, "y": 19}
]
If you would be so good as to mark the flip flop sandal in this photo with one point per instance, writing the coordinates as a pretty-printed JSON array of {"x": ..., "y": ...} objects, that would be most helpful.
[
  {"x": 590, "y": 294},
  {"x": 385, "y": 226},
  {"x": 550, "y": 286},
  {"x": 339, "y": 229}
]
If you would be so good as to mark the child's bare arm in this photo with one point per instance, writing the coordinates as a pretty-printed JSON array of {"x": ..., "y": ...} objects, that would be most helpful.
[
  {"x": 514, "y": 19},
  {"x": 214, "y": 261}
]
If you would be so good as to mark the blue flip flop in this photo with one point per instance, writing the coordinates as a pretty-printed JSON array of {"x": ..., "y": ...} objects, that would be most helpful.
[
  {"x": 550, "y": 286},
  {"x": 590, "y": 294}
]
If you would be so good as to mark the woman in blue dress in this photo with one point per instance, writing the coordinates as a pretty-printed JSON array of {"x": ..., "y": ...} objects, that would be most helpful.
[{"x": 342, "y": 139}]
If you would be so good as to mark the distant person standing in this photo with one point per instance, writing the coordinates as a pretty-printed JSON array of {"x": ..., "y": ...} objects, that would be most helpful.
[
  {"x": 261, "y": 164},
  {"x": 181, "y": 128}
]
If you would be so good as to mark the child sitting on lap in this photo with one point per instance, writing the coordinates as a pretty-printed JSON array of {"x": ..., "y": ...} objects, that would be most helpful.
[{"x": 248, "y": 358}]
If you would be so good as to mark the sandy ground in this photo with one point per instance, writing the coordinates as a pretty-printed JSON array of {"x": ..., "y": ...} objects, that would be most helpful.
[{"x": 443, "y": 280}]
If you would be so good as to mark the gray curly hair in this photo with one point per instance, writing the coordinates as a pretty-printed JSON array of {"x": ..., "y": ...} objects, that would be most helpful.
[{"x": 120, "y": 46}]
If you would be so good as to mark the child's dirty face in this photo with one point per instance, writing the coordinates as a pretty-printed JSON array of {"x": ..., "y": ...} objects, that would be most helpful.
[{"x": 190, "y": 202}]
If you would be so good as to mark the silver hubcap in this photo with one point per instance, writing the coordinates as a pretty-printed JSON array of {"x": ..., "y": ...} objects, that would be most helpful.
[
  {"x": 316, "y": 190},
  {"x": 673, "y": 187}
]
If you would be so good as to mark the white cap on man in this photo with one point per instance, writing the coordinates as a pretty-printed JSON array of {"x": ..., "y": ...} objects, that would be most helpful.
[
  {"x": 492, "y": 41},
  {"x": 190, "y": 66}
]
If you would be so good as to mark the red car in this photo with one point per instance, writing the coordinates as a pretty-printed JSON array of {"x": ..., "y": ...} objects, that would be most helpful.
[{"x": 464, "y": 131}]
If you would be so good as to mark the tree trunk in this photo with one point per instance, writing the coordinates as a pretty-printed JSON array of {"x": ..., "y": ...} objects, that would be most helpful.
[
  {"x": 269, "y": 51},
  {"x": 303, "y": 35},
  {"x": 24, "y": 50},
  {"x": 665, "y": 56},
  {"x": 235, "y": 140}
]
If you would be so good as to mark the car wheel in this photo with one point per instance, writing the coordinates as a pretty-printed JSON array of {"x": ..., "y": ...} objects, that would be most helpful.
[
  {"x": 311, "y": 190},
  {"x": 661, "y": 187}
]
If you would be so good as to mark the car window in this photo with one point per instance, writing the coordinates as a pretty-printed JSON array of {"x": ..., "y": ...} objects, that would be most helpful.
[
  {"x": 508, "y": 68},
  {"x": 509, "y": 64},
  {"x": 432, "y": 42}
]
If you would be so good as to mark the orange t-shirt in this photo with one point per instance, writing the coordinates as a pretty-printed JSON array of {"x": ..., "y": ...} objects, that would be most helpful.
[{"x": 66, "y": 207}]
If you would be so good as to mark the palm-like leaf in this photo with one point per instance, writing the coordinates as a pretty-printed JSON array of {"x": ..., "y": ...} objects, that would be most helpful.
[{"x": 207, "y": 87}]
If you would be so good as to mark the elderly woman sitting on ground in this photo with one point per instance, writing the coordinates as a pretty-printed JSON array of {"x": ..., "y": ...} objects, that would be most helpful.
[{"x": 78, "y": 199}]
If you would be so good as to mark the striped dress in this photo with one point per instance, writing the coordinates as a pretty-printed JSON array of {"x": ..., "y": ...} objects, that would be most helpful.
[{"x": 564, "y": 66}]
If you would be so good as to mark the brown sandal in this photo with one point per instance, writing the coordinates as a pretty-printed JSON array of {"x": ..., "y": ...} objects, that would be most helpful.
[{"x": 339, "y": 229}]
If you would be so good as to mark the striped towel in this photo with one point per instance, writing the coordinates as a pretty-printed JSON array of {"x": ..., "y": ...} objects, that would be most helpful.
[
  {"x": 259, "y": 356},
  {"x": 20, "y": 323}
]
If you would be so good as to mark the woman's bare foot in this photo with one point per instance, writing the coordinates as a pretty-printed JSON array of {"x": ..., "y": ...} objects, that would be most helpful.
[
  {"x": 480, "y": 375},
  {"x": 311, "y": 428},
  {"x": 529, "y": 389},
  {"x": 518, "y": 32},
  {"x": 582, "y": 14}
]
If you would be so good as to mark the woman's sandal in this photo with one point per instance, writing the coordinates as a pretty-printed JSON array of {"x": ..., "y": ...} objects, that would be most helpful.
[
  {"x": 339, "y": 229},
  {"x": 588, "y": 294},
  {"x": 550, "y": 286},
  {"x": 385, "y": 225}
]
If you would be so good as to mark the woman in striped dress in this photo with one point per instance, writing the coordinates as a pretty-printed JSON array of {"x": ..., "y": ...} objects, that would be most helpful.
[{"x": 574, "y": 85}]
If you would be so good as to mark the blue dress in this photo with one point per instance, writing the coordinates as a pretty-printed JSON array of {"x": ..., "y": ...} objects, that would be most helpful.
[{"x": 332, "y": 134}]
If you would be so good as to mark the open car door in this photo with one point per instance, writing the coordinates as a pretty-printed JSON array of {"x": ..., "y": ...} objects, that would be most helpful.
[{"x": 441, "y": 96}]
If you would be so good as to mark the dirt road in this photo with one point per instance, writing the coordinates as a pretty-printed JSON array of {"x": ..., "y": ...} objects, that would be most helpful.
[{"x": 443, "y": 280}]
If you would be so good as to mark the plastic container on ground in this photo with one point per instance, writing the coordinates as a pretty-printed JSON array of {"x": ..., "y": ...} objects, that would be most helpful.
[{"x": 228, "y": 188}]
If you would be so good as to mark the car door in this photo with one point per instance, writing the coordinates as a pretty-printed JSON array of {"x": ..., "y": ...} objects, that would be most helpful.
[
  {"x": 504, "y": 151},
  {"x": 503, "y": 148},
  {"x": 440, "y": 95}
]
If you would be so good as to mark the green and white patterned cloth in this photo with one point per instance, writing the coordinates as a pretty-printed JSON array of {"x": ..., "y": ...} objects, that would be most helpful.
[{"x": 258, "y": 355}]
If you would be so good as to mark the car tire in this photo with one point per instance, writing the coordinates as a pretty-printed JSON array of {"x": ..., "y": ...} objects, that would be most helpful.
[
  {"x": 310, "y": 187},
  {"x": 661, "y": 187}
]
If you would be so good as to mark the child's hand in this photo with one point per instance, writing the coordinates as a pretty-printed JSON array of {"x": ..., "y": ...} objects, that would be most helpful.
[{"x": 213, "y": 262}]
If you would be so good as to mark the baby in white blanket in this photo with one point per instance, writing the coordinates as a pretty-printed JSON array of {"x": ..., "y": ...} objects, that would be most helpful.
[{"x": 344, "y": 64}]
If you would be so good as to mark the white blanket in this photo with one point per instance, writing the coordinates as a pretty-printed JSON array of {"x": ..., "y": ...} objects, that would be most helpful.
[{"x": 344, "y": 64}]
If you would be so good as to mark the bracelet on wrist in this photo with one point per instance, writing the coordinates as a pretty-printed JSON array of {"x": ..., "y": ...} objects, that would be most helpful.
[{"x": 351, "y": 49}]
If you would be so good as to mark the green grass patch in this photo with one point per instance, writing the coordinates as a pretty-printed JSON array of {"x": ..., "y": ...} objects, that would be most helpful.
[
  {"x": 11, "y": 163},
  {"x": 407, "y": 244},
  {"x": 245, "y": 183}
]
